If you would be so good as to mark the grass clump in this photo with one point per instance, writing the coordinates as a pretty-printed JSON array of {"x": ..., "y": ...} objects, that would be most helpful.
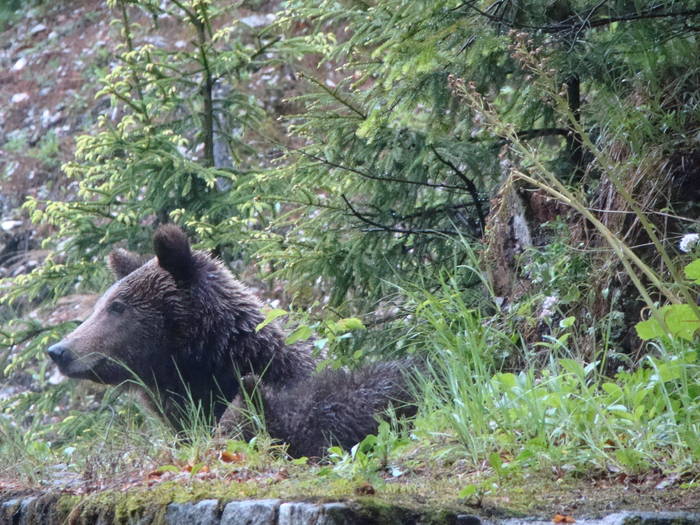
[{"x": 566, "y": 415}]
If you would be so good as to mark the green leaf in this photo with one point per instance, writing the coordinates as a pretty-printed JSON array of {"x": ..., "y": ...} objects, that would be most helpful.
[
  {"x": 508, "y": 380},
  {"x": 649, "y": 329},
  {"x": 196, "y": 468},
  {"x": 669, "y": 371},
  {"x": 301, "y": 333},
  {"x": 324, "y": 472},
  {"x": 320, "y": 344},
  {"x": 349, "y": 324},
  {"x": 573, "y": 367},
  {"x": 692, "y": 271},
  {"x": 496, "y": 462},
  {"x": 567, "y": 322},
  {"x": 680, "y": 320},
  {"x": 468, "y": 491},
  {"x": 612, "y": 389},
  {"x": 271, "y": 316}
]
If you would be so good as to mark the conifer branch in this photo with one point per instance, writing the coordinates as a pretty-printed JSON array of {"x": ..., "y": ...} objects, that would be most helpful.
[
  {"x": 580, "y": 22},
  {"x": 469, "y": 184},
  {"x": 392, "y": 229},
  {"x": 371, "y": 176},
  {"x": 526, "y": 134},
  {"x": 334, "y": 93}
]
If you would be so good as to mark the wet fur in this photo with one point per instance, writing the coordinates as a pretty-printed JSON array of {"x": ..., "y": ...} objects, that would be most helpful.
[
  {"x": 334, "y": 407},
  {"x": 187, "y": 331}
]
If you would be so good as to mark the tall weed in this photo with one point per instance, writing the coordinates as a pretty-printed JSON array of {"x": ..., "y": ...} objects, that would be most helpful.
[{"x": 565, "y": 414}]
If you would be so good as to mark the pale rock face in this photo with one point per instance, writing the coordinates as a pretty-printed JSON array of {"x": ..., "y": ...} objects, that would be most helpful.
[
  {"x": 19, "y": 65},
  {"x": 19, "y": 97}
]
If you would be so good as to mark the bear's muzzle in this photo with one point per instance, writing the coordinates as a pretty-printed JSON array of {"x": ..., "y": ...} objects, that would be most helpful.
[{"x": 60, "y": 354}]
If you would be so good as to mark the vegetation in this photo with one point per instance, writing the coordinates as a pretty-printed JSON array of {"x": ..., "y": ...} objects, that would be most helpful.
[{"x": 499, "y": 187}]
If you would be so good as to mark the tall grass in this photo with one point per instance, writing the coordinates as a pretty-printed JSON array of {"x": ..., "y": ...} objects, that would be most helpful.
[
  {"x": 565, "y": 414},
  {"x": 110, "y": 435}
]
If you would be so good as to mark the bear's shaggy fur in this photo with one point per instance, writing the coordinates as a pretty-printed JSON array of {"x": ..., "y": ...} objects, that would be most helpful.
[
  {"x": 183, "y": 327},
  {"x": 333, "y": 407}
]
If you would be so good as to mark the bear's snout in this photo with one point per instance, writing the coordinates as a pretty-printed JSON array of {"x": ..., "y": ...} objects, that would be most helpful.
[{"x": 59, "y": 354}]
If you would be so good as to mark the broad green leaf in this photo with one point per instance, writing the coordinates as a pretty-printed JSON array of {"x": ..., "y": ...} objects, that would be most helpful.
[
  {"x": 680, "y": 320},
  {"x": 669, "y": 371},
  {"x": 508, "y": 380},
  {"x": 649, "y": 329},
  {"x": 168, "y": 468},
  {"x": 612, "y": 389},
  {"x": 271, "y": 316},
  {"x": 567, "y": 322},
  {"x": 496, "y": 462},
  {"x": 692, "y": 271},
  {"x": 301, "y": 333},
  {"x": 321, "y": 343},
  {"x": 573, "y": 367}
]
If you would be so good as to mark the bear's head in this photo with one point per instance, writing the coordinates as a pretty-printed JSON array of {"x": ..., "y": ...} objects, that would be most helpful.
[{"x": 134, "y": 328}]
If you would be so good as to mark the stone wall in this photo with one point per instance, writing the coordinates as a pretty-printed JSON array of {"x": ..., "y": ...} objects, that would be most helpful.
[{"x": 52, "y": 509}]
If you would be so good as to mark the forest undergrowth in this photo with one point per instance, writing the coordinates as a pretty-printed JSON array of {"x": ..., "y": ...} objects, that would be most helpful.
[{"x": 508, "y": 194}]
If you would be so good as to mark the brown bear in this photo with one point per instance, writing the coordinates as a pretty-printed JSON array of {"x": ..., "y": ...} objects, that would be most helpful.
[
  {"x": 333, "y": 407},
  {"x": 182, "y": 327}
]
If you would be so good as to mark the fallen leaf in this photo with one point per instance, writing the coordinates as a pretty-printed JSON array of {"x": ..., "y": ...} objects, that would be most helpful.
[
  {"x": 232, "y": 457},
  {"x": 563, "y": 518},
  {"x": 281, "y": 475},
  {"x": 365, "y": 490}
]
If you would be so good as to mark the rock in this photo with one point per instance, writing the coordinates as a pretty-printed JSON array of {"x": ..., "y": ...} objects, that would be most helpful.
[
  {"x": 19, "y": 97},
  {"x": 37, "y": 29},
  {"x": 468, "y": 519},
  {"x": 7, "y": 225},
  {"x": 49, "y": 119},
  {"x": 621, "y": 518},
  {"x": 258, "y": 20},
  {"x": 256, "y": 512},
  {"x": 205, "y": 512},
  {"x": 15, "y": 511},
  {"x": 311, "y": 514},
  {"x": 19, "y": 65},
  {"x": 8, "y": 510}
]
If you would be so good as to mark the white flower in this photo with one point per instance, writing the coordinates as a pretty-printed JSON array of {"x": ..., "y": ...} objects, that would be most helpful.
[
  {"x": 688, "y": 242},
  {"x": 548, "y": 305}
]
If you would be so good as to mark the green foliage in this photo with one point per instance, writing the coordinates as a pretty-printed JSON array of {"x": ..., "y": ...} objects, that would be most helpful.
[
  {"x": 13, "y": 10},
  {"x": 409, "y": 116},
  {"x": 366, "y": 460},
  {"x": 150, "y": 159},
  {"x": 327, "y": 333},
  {"x": 566, "y": 413},
  {"x": 692, "y": 271},
  {"x": 156, "y": 161},
  {"x": 394, "y": 164},
  {"x": 678, "y": 320}
]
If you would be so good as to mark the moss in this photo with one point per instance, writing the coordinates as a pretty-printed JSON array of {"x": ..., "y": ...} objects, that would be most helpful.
[
  {"x": 375, "y": 511},
  {"x": 121, "y": 507},
  {"x": 433, "y": 497}
]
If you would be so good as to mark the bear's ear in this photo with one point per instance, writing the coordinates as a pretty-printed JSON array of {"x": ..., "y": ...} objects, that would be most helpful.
[
  {"x": 173, "y": 251},
  {"x": 123, "y": 262}
]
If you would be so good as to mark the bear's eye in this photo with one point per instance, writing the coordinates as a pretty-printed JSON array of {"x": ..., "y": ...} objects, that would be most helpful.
[{"x": 117, "y": 307}]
